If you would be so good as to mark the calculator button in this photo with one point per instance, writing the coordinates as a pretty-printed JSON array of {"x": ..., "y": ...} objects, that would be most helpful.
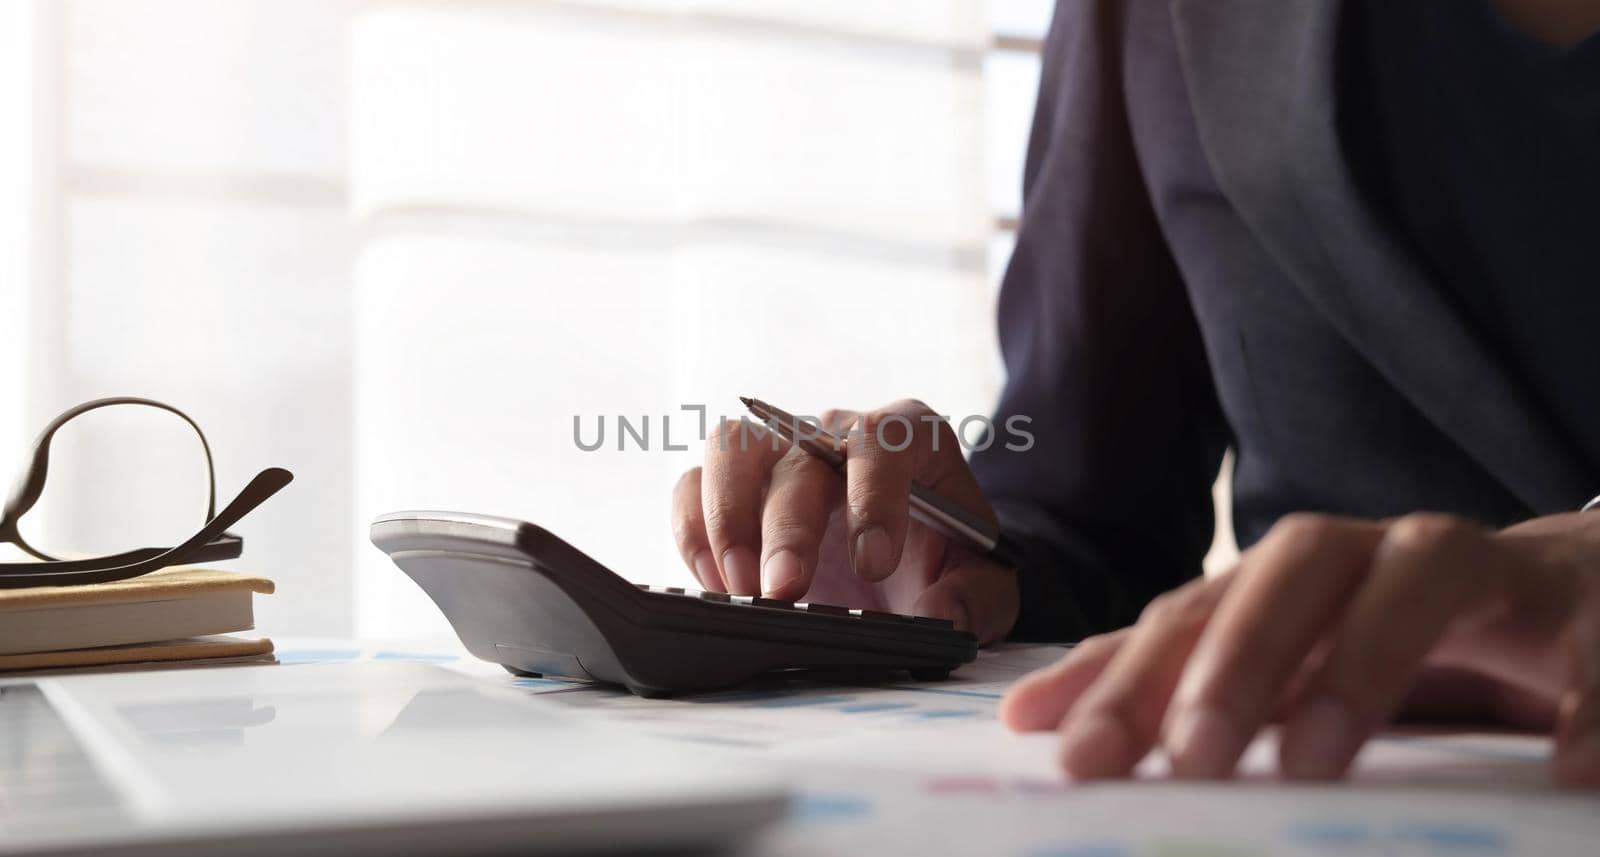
[
  {"x": 772, "y": 602},
  {"x": 825, "y": 609},
  {"x": 878, "y": 616},
  {"x": 931, "y": 622},
  {"x": 741, "y": 599},
  {"x": 673, "y": 590},
  {"x": 720, "y": 597}
]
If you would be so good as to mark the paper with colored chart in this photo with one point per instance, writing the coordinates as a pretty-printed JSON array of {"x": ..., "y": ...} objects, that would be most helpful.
[{"x": 923, "y": 768}]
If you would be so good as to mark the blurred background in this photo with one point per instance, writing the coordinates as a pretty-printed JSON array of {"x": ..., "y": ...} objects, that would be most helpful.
[{"x": 397, "y": 246}]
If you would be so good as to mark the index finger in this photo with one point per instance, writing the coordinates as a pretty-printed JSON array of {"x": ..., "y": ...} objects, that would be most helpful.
[
  {"x": 802, "y": 491},
  {"x": 739, "y": 458},
  {"x": 1117, "y": 719}
]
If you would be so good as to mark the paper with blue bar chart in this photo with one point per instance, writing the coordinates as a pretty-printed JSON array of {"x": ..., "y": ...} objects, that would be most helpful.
[{"x": 923, "y": 767}]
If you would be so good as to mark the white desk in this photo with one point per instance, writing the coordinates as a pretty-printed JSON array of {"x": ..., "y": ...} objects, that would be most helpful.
[{"x": 922, "y": 768}]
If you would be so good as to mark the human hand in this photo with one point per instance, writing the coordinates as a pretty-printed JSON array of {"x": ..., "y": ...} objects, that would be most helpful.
[
  {"x": 1334, "y": 627},
  {"x": 775, "y": 520}
]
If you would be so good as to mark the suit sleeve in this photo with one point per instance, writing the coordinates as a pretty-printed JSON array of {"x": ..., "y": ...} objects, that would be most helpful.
[{"x": 1104, "y": 360}]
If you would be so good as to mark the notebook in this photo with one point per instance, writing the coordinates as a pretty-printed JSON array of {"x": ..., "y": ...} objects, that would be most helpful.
[
  {"x": 165, "y": 654},
  {"x": 165, "y": 605}
]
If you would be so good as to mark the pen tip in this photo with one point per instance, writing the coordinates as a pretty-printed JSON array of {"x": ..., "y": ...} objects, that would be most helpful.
[{"x": 748, "y": 402}]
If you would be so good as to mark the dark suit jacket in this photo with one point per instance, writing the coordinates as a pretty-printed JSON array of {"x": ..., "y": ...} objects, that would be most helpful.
[{"x": 1198, "y": 267}]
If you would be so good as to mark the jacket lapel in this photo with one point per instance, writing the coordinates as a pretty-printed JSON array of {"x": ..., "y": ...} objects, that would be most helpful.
[{"x": 1261, "y": 77}]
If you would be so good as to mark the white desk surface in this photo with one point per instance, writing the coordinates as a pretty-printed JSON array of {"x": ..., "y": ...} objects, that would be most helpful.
[{"x": 923, "y": 768}]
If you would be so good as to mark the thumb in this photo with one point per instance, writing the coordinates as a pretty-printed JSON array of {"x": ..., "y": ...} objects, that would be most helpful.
[
  {"x": 978, "y": 594},
  {"x": 1576, "y": 762}
]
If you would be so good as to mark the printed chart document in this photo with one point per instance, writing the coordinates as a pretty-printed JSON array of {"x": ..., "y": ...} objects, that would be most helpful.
[{"x": 924, "y": 768}]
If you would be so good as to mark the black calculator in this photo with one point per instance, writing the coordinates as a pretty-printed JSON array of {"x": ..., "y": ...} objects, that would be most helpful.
[{"x": 520, "y": 597}]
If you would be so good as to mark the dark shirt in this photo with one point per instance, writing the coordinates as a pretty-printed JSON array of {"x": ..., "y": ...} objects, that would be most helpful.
[{"x": 1488, "y": 154}]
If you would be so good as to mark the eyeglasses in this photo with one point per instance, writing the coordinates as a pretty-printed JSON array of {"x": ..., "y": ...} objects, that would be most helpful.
[{"x": 213, "y": 542}]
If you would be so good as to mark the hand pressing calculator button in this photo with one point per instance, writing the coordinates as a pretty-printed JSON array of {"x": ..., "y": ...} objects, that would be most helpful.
[{"x": 521, "y": 597}]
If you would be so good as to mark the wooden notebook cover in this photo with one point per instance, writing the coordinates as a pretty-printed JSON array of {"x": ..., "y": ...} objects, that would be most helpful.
[
  {"x": 191, "y": 649},
  {"x": 166, "y": 584}
]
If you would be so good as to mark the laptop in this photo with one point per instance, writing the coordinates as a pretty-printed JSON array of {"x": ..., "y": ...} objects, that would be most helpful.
[{"x": 375, "y": 757}]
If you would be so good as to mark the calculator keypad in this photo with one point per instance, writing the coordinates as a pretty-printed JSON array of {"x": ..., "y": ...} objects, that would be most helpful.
[{"x": 876, "y": 616}]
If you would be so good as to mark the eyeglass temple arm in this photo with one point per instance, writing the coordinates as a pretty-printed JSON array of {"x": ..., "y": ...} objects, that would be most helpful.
[
  {"x": 31, "y": 484},
  {"x": 266, "y": 483}
]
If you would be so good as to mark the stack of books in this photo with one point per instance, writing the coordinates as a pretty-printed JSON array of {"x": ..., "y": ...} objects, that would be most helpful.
[{"x": 172, "y": 616}]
